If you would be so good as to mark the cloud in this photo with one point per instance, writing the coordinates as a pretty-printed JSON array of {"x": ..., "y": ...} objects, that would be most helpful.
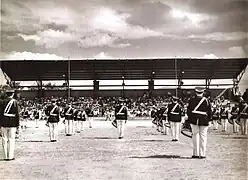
[
  {"x": 96, "y": 40},
  {"x": 220, "y": 36},
  {"x": 102, "y": 29},
  {"x": 50, "y": 38},
  {"x": 29, "y": 37},
  {"x": 107, "y": 19},
  {"x": 209, "y": 56},
  {"x": 65, "y": 27},
  {"x": 237, "y": 51},
  {"x": 103, "y": 55},
  {"x": 31, "y": 56},
  {"x": 121, "y": 45}
]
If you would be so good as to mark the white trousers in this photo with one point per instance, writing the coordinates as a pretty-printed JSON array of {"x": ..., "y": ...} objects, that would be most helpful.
[
  {"x": 8, "y": 141},
  {"x": 79, "y": 126},
  {"x": 36, "y": 122},
  {"x": 175, "y": 130},
  {"x": 53, "y": 131},
  {"x": 224, "y": 123},
  {"x": 165, "y": 129},
  {"x": 199, "y": 138},
  {"x": 69, "y": 127},
  {"x": 243, "y": 125},
  {"x": 235, "y": 126},
  {"x": 90, "y": 119},
  {"x": 120, "y": 127},
  {"x": 24, "y": 123},
  {"x": 215, "y": 124}
]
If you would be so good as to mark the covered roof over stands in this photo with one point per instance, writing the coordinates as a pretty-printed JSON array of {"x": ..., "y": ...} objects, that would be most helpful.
[{"x": 30, "y": 70}]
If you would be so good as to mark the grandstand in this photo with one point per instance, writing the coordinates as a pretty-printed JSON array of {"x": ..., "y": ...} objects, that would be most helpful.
[{"x": 151, "y": 70}]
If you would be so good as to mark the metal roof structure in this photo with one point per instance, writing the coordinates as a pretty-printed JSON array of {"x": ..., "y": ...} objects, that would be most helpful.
[{"x": 114, "y": 69}]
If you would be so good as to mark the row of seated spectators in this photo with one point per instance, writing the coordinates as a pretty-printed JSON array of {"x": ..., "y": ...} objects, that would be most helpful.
[{"x": 140, "y": 106}]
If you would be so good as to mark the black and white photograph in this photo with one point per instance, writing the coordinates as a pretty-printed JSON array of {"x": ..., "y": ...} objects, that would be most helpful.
[{"x": 124, "y": 89}]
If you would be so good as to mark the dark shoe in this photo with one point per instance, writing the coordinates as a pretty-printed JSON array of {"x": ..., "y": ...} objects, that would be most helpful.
[
  {"x": 9, "y": 159},
  {"x": 53, "y": 140},
  {"x": 176, "y": 139},
  {"x": 120, "y": 137},
  {"x": 202, "y": 157},
  {"x": 195, "y": 157},
  {"x": 173, "y": 140},
  {"x": 78, "y": 131},
  {"x": 68, "y": 134}
]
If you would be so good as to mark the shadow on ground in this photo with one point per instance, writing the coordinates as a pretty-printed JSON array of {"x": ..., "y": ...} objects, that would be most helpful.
[
  {"x": 162, "y": 156},
  {"x": 235, "y": 137},
  {"x": 98, "y": 138},
  {"x": 151, "y": 140},
  {"x": 32, "y": 141}
]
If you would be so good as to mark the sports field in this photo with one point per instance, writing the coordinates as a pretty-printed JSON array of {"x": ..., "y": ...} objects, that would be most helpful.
[{"x": 143, "y": 154}]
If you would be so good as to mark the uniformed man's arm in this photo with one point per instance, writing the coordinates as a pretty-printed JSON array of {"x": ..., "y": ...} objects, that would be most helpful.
[
  {"x": 116, "y": 111},
  {"x": 126, "y": 113},
  {"x": 209, "y": 111},
  {"x": 16, "y": 107},
  {"x": 180, "y": 109},
  {"x": 189, "y": 109}
]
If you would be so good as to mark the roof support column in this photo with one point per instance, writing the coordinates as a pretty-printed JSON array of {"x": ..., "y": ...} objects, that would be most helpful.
[
  {"x": 68, "y": 78},
  {"x": 176, "y": 77},
  {"x": 40, "y": 92},
  {"x": 123, "y": 78},
  {"x": 151, "y": 85},
  {"x": 95, "y": 82},
  {"x": 208, "y": 82},
  {"x": 123, "y": 87},
  {"x": 96, "y": 88}
]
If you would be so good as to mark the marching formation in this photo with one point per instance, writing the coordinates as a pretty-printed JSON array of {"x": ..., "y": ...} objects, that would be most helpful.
[{"x": 191, "y": 117}]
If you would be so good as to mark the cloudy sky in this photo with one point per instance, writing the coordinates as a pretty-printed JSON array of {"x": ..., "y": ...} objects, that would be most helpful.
[{"x": 58, "y": 29}]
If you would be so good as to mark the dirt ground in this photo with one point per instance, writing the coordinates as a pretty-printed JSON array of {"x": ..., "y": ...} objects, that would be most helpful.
[{"x": 143, "y": 154}]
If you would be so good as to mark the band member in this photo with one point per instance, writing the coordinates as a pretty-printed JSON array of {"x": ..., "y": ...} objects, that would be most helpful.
[
  {"x": 108, "y": 114},
  {"x": 174, "y": 117},
  {"x": 77, "y": 117},
  {"x": 158, "y": 120},
  {"x": 154, "y": 115},
  {"x": 52, "y": 112},
  {"x": 243, "y": 115},
  {"x": 215, "y": 117},
  {"x": 37, "y": 116},
  {"x": 25, "y": 117},
  {"x": 68, "y": 114},
  {"x": 121, "y": 117},
  {"x": 90, "y": 115},
  {"x": 163, "y": 120},
  {"x": 233, "y": 118},
  {"x": 199, "y": 114},
  {"x": 74, "y": 114},
  {"x": 9, "y": 122},
  {"x": 81, "y": 118},
  {"x": 224, "y": 117}
]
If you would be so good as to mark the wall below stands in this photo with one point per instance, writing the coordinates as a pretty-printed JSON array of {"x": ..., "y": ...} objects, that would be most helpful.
[{"x": 104, "y": 93}]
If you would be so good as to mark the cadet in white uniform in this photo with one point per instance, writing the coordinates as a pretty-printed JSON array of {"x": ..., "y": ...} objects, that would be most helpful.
[
  {"x": 9, "y": 123},
  {"x": 121, "y": 117},
  {"x": 199, "y": 114}
]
